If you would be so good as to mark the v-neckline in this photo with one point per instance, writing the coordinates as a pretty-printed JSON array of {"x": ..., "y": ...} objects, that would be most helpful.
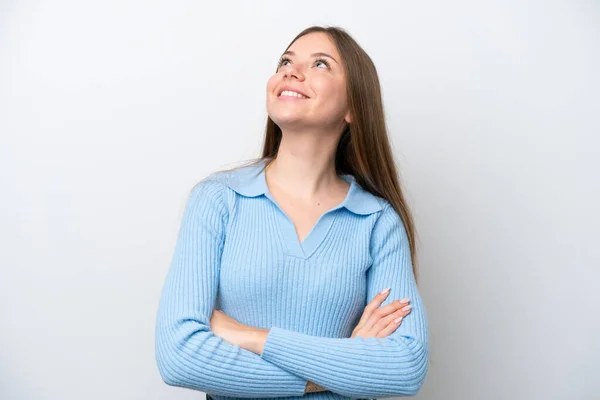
[{"x": 305, "y": 248}]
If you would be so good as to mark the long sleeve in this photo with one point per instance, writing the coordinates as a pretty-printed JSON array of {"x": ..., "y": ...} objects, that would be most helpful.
[
  {"x": 188, "y": 354},
  {"x": 373, "y": 367}
]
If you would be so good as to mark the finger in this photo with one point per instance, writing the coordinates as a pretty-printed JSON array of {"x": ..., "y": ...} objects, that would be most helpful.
[
  {"x": 373, "y": 305},
  {"x": 384, "y": 320},
  {"x": 389, "y": 324},
  {"x": 400, "y": 313},
  {"x": 392, "y": 326},
  {"x": 385, "y": 311},
  {"x": 393, "y": 306}
]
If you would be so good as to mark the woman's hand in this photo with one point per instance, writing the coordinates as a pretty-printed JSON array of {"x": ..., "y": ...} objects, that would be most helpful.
[
  {"x": 378, "y": 322},
  {"x": 236, "y": 333},
  {"x": 381, "y": 322}
]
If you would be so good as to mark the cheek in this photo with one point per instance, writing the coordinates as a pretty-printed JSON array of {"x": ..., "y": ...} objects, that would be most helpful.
[
  {"x": 333, "y": 94},
  {"x": 272, "y": 83}
]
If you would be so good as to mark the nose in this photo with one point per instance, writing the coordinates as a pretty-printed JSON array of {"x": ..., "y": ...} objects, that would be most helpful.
[{"x": 292, "y": 70}]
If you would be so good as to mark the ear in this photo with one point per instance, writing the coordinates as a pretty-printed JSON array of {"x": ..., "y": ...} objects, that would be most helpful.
[{"x": 348, "y": 117}]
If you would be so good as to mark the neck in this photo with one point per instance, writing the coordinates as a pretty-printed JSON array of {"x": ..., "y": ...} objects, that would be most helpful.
[{"x": 305, "y": 164}]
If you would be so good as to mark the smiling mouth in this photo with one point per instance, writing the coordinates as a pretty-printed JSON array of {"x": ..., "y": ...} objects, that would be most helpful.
[{"x": 291, "y": 94}]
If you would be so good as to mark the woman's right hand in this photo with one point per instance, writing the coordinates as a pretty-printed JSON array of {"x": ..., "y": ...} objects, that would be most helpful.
[{"x": 381, "y": 322}]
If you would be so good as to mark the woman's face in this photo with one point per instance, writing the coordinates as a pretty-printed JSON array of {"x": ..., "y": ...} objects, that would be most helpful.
[{"x": 313, "y": 68}]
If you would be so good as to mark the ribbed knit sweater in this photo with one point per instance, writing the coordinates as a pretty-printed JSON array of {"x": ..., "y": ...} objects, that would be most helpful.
[{"x": 237, "y": 251}]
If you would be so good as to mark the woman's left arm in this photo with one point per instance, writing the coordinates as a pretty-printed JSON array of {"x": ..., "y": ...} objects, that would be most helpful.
[{"x": 373, "y": 367}]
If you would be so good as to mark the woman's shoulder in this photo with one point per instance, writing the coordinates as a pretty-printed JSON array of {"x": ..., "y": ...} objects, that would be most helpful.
[
  {"x": 207, "y": 193},
  {"x": 214, "y": 187}
]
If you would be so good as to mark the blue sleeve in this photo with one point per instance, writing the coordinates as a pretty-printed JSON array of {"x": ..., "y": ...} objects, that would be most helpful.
[
  {"x": 188, "y": 354},
  {"x": 373, "y": 367}
]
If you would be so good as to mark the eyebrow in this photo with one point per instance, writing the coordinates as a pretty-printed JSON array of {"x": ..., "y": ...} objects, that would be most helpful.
[{"x": 291, "y": 53}]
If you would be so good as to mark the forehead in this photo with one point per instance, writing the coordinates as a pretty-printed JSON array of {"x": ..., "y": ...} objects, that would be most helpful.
[{"x": 313, "y": 43}]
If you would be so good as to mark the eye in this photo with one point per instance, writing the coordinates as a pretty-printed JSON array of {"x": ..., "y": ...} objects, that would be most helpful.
[
  {"x": 282, "y": 62},
  {"x": 322, "y": 61}
]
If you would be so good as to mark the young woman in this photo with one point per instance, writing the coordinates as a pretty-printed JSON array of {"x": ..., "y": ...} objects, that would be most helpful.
[{"x": 277, "y": 283}]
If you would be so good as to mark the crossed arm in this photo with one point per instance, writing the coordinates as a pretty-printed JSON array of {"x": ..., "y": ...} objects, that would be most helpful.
[{"x": 190, "y": 355}]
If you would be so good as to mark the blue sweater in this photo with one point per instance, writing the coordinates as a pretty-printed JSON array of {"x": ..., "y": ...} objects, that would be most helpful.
[{"x": 237, "y": 251}]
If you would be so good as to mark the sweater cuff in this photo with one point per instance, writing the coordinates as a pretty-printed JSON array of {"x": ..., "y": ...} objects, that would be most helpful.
[
  {"x": 278, "y": 340},
  {"x": 274, "y": 344},
  {"x": 283, "y": 345}
]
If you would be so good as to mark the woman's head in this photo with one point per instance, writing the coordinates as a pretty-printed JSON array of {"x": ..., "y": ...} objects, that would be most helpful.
[
  {"x": 344, "y": 94},
  {"x": 312, "y": 68},
  {"x": 344, "y": 97}
]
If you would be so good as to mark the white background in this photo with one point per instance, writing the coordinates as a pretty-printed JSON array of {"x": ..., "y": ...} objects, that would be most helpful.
[{"x": 111, "y": 111}]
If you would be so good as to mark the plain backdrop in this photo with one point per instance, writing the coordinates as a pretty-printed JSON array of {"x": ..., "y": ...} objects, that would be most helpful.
[{"x": 111, "y": 111}]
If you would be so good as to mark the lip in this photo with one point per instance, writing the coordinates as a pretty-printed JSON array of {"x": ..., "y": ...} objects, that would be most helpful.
[{"x": 281, "y": 89}]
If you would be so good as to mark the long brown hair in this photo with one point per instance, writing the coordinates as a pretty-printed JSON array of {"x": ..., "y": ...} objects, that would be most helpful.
[{"x": 364, "y": 149}]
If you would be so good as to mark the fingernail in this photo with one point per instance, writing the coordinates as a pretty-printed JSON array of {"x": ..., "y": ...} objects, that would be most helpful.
[
  {"x": 408, "y": 307},
  {"x": 398, "y": 319},
  {"x": 405, "y": 300},
  {"x": 384, "y": 291}
]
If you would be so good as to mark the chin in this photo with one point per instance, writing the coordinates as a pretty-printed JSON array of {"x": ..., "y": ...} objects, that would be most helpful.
[
  {"x": 289, "y": 122},
  {"x": 286, "y": 118}
]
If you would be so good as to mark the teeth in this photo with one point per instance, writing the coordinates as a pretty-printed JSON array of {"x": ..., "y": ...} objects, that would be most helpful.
[{"x": 292, "y": 94}]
